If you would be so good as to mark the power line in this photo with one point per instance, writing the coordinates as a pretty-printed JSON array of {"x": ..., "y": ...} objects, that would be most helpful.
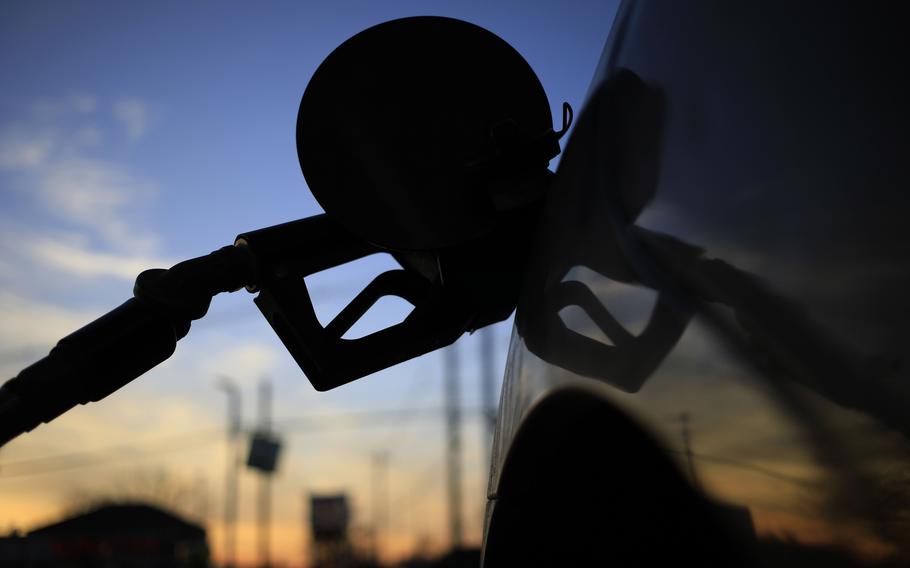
[
  {"x": 315, "y": 423},
  {"x": 755, "y": 468},
  {"x": 418, "y": 389},
  {"x": 418, "y": 489},
  {"x": 75, "y": 460}
]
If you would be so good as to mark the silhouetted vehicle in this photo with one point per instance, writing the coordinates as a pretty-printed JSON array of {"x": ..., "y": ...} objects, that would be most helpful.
[{"x": 709, "y": 359}]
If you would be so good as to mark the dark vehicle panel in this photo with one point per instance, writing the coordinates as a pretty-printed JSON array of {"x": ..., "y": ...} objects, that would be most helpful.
[{"x": 724, "y": 259}]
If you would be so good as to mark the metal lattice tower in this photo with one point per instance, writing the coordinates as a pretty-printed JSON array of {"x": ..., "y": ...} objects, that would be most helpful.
[
  {"x": 488, "y": 387},
  {"x": 453, "y": 446}
]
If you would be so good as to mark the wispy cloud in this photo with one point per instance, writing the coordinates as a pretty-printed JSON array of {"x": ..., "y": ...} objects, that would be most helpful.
[
  {"x": 88, "y": 137},
  {"x": 49, "y": 108},
  {"x": 100, "y": 197},
  {"x": 79, "y": 260},
  {"x": 53, "y": 148},
  {"x": 24, "y": 149},
  {"x": 246, "y": 362},
  {"x": 134, "y": 115},
  {"x": 28, "y": 323}
]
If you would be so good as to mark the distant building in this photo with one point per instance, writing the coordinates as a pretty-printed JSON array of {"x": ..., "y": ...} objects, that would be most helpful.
[{"x": 122, "y": 535}]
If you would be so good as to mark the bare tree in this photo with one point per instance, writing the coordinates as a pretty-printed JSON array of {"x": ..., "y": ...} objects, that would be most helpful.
[{"x": 151, "y": 486}]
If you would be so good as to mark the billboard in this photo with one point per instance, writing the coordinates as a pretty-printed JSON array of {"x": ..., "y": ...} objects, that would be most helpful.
[{"x": 329, "y": 515}]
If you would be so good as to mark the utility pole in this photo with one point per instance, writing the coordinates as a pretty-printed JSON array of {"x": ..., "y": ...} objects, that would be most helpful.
[
  {"x": 687, "y": 447},
  {"x": 265, "y": 478},
  {"x": 453, "y": 446},
  {"x": 233, "y": 463},
  {"x": 380, "y": 500},
  {"x": 487, "y": 387},
  {"x": 201, "y": 490}
]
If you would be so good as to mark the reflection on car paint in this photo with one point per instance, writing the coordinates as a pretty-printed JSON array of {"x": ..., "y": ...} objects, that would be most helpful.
[{"x": 756, "y": 191}]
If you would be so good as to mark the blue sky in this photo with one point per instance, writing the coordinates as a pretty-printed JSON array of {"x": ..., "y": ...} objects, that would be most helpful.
[{"x": 135, "y": 135}]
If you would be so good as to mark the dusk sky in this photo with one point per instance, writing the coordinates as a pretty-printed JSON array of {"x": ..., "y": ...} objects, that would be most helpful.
[{"x": 136, "y": 135}]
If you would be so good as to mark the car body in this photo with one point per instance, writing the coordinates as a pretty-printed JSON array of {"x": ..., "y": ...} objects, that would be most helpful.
[{"x": 708, "y": 361}]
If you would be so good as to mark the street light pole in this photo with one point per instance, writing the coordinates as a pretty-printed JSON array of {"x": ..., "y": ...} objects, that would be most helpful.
[
  {"x": 265, "y": 479},
  {"x": 380, "y": 501},
  {"x": 233, "y": 462}
]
